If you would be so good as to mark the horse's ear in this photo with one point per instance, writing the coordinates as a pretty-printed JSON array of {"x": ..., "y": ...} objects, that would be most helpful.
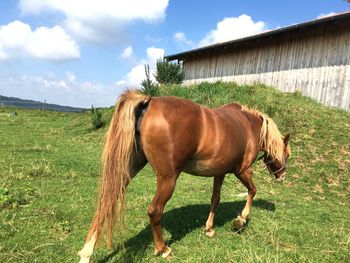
[{"x": 286, "y": 138}]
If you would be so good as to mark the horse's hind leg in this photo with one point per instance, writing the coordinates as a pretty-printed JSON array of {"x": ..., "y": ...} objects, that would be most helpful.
[
  {"x": 165, "y": 189},
  {"x": 88, "y": 249},
  {"x": 215, "y": 199},
  {"x": 246, "y": 179}
]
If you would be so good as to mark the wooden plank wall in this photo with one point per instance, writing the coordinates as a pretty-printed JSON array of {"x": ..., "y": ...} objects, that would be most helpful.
[{"x": 315, "y": 62}]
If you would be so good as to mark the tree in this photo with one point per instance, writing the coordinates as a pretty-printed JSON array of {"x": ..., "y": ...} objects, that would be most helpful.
[
  {"x": 149, "y": 87},
  {"x": 169, "y": 73}
]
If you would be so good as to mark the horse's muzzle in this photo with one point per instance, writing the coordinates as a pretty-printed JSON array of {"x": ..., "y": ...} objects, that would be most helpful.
[{"x": 281, "y": 177}]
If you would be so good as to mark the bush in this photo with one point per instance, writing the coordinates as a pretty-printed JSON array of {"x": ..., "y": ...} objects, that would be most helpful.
[
  {"x": 149, "y": 87},
  {"x": 96, "y": 118},
  {"x": 169, "y": 73},
  {"x": 16, "y": 197}
]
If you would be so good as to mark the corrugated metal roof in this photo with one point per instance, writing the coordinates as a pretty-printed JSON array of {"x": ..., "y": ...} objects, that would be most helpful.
[{"x": 271, "y": 33}]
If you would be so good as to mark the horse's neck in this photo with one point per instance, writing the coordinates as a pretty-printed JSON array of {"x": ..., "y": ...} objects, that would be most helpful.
[{"x": 256, "y": 124}]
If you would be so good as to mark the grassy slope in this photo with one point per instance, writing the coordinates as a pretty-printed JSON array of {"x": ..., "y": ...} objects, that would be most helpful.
[{"x": 49, "y": 175}]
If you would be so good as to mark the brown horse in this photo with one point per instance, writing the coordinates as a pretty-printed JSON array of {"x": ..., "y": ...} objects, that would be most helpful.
[{"x": 176, "y": 135}]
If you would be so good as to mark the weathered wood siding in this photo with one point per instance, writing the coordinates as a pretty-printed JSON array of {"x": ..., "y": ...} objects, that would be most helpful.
[{"x": 315, "y": 62}]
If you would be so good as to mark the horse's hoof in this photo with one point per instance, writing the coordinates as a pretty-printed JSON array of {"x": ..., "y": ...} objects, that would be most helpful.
[
  {"x": 210, "y": 232},
  {"x": 156, "y": 252},
  {"x": 239, "y": 223},
  {"x": 84, "y": 260},
  {"x": 166, "y": 253}
]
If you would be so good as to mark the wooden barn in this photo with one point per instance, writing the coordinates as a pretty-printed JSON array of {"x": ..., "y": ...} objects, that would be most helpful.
[{"x": 312, "y": 57}]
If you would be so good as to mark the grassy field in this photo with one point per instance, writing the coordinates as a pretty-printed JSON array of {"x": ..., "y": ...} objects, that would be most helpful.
[{"x": 49, "y": 174}]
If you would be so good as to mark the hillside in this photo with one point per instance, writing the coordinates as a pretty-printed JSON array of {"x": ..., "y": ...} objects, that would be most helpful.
[
  {"x": 49, "y": 176},
  {"x": 31, "y": 104}
]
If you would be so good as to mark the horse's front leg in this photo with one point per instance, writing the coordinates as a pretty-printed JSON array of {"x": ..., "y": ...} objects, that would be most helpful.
[
  {"x": 247, "y": 180},
  {"x": 215, "y": 199},
  {"x": 165, "y": 189}
]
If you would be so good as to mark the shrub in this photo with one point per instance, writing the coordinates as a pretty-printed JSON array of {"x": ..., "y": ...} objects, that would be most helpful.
[
  {"x": 16, "y": 197},
  {"x": 96, "y": 118},
  {"x": 4, "y": 196},
  {"x": 169, "y": 73},
  {"x": 149, "y": 87}
]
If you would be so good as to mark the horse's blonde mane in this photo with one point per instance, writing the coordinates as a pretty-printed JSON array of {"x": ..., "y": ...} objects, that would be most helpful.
[{"x": 271, "y": 140}]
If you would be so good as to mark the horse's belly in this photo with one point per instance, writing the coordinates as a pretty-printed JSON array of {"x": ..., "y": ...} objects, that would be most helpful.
[{"x": 207, "y": 168}]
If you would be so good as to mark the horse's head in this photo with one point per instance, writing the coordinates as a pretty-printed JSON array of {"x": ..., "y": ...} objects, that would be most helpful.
[{"x": 277, "y": 167}]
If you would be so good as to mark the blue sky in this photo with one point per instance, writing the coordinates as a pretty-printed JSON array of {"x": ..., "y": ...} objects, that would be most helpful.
[{"x": 84, "y": 52}]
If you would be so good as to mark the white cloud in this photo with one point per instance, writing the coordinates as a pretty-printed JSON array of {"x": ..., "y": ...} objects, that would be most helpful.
[
  {"x": 227, "y": 29},
  {"x": 133, "y": 78},
  {"x": 325, "y": 15},
  {"x": 80, "y": 30},
  {"x": 127, "y": 53},
  {"x": 17, "y": 39},
  {"x": 64, "y": 91},
  {"x": 98, "y": 21},
  {"x": 99, "y": 33},
  {"x": 231, "y": 28},
  {"x": 71, "y": 77},
  {"x": 3, "y": 55},
  {"x": 154, "y": 54},
  {"x": 92, "y": 10},
  {"x": 180, "y": 38},
  {"x": 52, "y": 44},
  {"x": 137, "y": 73}
]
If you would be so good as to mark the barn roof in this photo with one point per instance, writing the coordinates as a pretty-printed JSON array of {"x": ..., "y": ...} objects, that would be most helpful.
[{"x": 258, "y": 37}]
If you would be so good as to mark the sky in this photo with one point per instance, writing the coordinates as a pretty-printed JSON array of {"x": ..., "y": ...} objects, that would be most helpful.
[{"x": 86, "y": 52}]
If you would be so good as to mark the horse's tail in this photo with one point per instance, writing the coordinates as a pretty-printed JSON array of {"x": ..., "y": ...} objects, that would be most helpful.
[{"x": 117, "y": 167}]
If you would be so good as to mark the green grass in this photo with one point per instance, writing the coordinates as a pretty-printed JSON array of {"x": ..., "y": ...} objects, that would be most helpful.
[{"x": 49, "y": 175}]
